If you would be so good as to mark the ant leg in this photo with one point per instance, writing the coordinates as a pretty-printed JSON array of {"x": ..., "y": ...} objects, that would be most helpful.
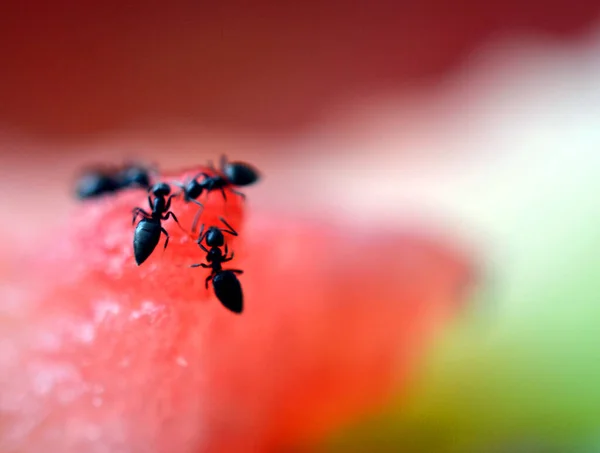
[
  {"x": 223, "y": 162},
  {"x": 202, "y": 173},
  {"x": 170, "y": 214},
  {"x": 168, "y": 203},
  {"x": 201, "y": 235},
  {"x": 197, "y": 202},
  {"x": 197, "y": 216},
  {"x": 137, "y": 212},
  {"x": 230, "y": 230},
  {"x": 181, "y": 185},
  {"x": 153, "y": 168},
  {"x": 140, "y": 211},
  {"x": 235, "y": 271},
  {"x": 224, "y": 195},
  {"x": 225, "y": 258},
  {"x": 203, "y": 248},
  {"x": 181, "y": 190},
  {"x": 239, "y": 194},
  {"x": 200, "y": 265},
  {"x": 207, "y": 280},
  {"x": 166, "y": 240}
]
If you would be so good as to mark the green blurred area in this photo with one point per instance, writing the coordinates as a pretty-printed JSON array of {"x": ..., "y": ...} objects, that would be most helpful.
[{"x": 520, "y": 372}]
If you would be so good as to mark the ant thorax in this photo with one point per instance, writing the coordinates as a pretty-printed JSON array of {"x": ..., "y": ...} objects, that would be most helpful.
[
  {"x": 214, "y": 255},
  {"x": 158, "y": 205},
  {"x": 215, "y": 182}
]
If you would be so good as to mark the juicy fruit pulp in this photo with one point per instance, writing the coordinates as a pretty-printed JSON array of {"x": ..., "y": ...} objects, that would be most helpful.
[{"x": 109, "y": 356}]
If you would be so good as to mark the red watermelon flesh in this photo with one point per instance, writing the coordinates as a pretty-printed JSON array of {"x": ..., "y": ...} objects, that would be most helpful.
[{"x": 100, "y": 355}]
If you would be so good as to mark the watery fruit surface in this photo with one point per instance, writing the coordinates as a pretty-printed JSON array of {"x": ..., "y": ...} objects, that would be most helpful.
[{"x": 100, "y": 355}]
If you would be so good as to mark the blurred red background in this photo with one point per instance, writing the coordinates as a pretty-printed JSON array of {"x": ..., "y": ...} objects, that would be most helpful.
[{"x": 70, "y": 69}]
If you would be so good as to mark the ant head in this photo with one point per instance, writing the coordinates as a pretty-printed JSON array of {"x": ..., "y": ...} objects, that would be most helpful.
[
  {"x": 161, "y": 189},
  {"x": 136, "y": 175},
  {"x": 214, "y": 237}
]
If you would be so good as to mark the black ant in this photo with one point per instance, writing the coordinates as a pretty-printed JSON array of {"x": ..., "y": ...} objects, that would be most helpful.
[
  {"x": 99, "y": 181},
  {"x": 237, "y": 173},
  {"x": 147, "y": 231},
  {"x": 96, "y": 182},
  {"x": 226, "y": 285},
  {"x": 230, "y": 174},
  {"x": 136, "y": 175}
]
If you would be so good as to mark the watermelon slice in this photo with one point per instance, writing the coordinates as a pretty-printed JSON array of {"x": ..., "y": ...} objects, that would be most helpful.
[{"x": 101, "y": 355}]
